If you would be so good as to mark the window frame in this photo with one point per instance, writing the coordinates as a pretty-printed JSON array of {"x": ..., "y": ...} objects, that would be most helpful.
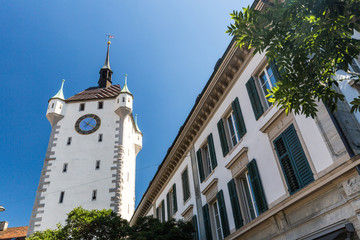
[
  {"x": 186, "y": 194},
  {"x": 61, "y": 198},
  {"x": 97, "y": 165},
  {"x": 101, "y": 105},
  {"x": 65, "y": 167},
  {"x": 69, "y": 140},
  {"x": 229, "y": 135},
  {"x": 94, "y": 195},
  {"x": 215, "y": 212}
]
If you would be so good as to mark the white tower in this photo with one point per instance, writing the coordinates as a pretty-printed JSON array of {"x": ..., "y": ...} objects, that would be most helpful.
[{"x": 91, "y": 156}]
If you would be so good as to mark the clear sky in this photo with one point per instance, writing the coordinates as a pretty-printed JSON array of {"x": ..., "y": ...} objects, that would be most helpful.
[{"x": 168, "y": 49}]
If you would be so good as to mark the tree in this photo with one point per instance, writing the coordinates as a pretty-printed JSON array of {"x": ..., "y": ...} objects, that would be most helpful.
[
  {"x": 148, "y": 228},
  {"x": 83, "y": 224},
  {"x": 309, "y": 40},
  {"x": 104, "y": 224}
]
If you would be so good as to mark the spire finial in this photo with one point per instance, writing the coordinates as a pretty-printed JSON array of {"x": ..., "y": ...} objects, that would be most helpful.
[
  {"x": 136, "y": 118},
  {"x": 125, "y": 79},
  {"x": 125, "y": 88},
  {"x": 60, "y": 93}
]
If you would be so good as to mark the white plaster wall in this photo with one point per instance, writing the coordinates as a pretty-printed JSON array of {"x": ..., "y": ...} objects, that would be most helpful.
[{"x": 81, "y": 177}]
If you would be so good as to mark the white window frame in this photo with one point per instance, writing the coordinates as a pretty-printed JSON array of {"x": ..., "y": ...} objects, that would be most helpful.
[
  {"x": 244, "y": 191},
  {"x": 205, "y": 154},
  {"x": 264, "y": 72},
  {"x": 231, "y": 137},
  {"x": 217, "y": 220}
]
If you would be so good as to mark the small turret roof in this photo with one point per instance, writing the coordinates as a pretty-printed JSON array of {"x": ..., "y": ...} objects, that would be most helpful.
[
  {"x": 136, "y": 125},
  {"x": 125, "y": 88},
  {"x": 60, "y": 93}
]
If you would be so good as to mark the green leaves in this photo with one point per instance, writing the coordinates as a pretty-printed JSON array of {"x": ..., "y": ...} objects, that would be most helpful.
[
  {"x": 104, "y": 224},
  {"x": 310, "y": 40}
]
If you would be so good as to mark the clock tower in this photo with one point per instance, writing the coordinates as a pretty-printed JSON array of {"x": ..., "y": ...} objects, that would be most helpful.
[{"x": 91, "y": 156}]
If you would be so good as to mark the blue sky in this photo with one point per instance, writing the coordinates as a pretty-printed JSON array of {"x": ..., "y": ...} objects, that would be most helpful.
[{"x": 167, "y": 48}]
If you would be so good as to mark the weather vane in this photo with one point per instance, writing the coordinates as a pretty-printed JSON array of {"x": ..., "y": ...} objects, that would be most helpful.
[{"x": 110, "y": 36}]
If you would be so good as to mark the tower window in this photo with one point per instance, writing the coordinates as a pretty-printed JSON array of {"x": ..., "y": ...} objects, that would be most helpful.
[
  {"x": 65, "y": 167},
  {"x": 100, "y": 105},
  {"x": 60, "y": 106},
  {"x": 97, "y": 164},
  {"x": 100, "y": 138},
  {"x": 61, "y": 199},
  {"x": 69, "y": 141},
  {"x": 94, "y": 193},
  {"x": 123, "y": 99},
  {"x": 52, "y": 105},
  {"x": 82, "y": 107}
]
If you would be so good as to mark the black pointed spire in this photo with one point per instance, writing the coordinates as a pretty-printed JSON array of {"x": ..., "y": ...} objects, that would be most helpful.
[{"x": 105, "y": 71}]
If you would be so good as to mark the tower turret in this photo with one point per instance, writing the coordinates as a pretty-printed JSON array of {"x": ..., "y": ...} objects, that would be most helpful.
[
  {"x": 124, "y": 102},
  {"x": 105, "y": 71},
  {"x": 56, "y": 106}
]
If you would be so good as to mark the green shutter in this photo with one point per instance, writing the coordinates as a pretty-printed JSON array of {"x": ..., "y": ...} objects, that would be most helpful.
[
  {"x": 163, "y": 210},
  {"x": 298, "y": 156},
  {"x": 207, "y": 222},
  {"x": 195, "y": 225},
  {"x": 174, "y": 199},
  {"x": 239, "y": 117},
  {"x": 293, "y": 161},
  {"x": 168, "y": 205},
  {"x": 286, "y": 164},
  {"x": 157, "y": 213},
  {"x": 235, "y": 204},
  {"x": 185, "y": 184},
  {"x": 254, "y": 98},
  {"x": 223, "y": 215},
  {"x": 210, "y": 142},
  {"x": 257, "y": 187},
  {"x": 223, "y": 141},
  {"x": 200, "y": 164}
]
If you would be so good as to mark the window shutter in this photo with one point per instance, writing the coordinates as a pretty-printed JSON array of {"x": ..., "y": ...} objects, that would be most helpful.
[
  {"x": 297, "y": 154},
  {"x": 210, "y": 142},
  {"x": 157, "y": 213},
  {"x": 239, "y": 117},
  {"x": 224, "y": 143},
  {"x": 286, "y": 164},
  {"x": 200, "y": 164},
  {"x": 174, "y": 199},
  {"x": 235, "y": 204},
  {"x": 254, "y": 98},
  {"x": 168, "y": 205},
  {"x": 207, "y": 222},
  {"x": 163, "y": 210},
  {"x": 223, "y": 215},
  {"x": 195, "y": 225},
  {"x": 185, "y": 183},
  {"x": 257, "y": 187}
]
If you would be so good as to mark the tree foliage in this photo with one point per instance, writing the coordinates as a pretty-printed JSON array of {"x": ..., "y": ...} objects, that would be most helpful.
[
  {"x": 310, "y": 40},
  {"x": 83, "y": 224}
]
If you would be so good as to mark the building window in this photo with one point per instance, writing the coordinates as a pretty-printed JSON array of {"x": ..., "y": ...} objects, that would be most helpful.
[
  {"x": 267, "y": 81},
  {"x": 65, "y": 166},
  {"x": 171, "y": 200},
  {"x": 61, "y": 199},
  {"x": 354, "y": 66},
  {"x": 100, "y": 138},
  {"x": 94, "y": 193},
  {"x": 100, "y": 105},
  {"x": 206, "y": 157},
  {"x": 185, "y": 185},
  {"x": 160, "y": 211},
  {"x": 97, "y": 164},
  {"x": 60, "y": 106},
  {"x": 123, "y": 99},
  {"x": 82, "y": 107},
  {"x": 247, "y": 195},
  {"x": 69, "y": 141},
  {"x": 217, "y": 216},
  {"x": 52, "y": 105},
  {"x": 293, "y": 161},
  {"x": 218, "y": 230},
  {"x": 231, "y": 128}
]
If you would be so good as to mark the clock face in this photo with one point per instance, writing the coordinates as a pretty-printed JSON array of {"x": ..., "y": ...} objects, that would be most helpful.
[{"x": 87, "y": 124}]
